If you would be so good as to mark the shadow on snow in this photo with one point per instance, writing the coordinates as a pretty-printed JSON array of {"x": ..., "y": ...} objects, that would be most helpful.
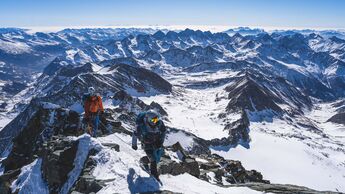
[{"x": 138, "y": 184}]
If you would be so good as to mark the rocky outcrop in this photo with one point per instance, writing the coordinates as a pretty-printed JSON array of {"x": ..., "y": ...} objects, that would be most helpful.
[
  {"x": 168, "y": 166},
  {"x": 6, "y": 180},
  {"x": 187, "y": 164},
  {"x": 127, "y": 102},
  {"x": 58, "y": 158},
  {"x": 46, "y": 121},
  {"x": 281, "y": 188},
  {"x": 247, "y": 94},
  {"x": 48, "y": 135},
  {"x": 86, "y": 182},
  {"x": 200, "y": 146},
  {"x": 238, "y": 132},
  {"x": 338, "y": 118},
  {"x": 232, "y": 171}
]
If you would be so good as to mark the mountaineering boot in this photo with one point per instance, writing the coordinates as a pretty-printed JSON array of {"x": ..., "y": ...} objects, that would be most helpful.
[
  {"x": 144, "y": 164},
  {"x": 154, "y": 172}
]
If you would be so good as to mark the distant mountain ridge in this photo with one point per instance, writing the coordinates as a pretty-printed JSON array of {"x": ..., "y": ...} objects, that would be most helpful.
[{"x": 264, "y": 100}]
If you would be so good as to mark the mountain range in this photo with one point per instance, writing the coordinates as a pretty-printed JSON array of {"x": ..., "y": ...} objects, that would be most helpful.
[{"x": 235, "y": 100}]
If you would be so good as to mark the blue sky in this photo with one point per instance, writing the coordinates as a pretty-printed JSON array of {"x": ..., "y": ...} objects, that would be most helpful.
[{"x": 254, "y": 13}]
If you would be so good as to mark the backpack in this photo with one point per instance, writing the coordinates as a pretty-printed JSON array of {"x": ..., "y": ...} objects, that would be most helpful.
[
  {"x": 85, "y": 98},
  {"x": 92, "y": 102}
]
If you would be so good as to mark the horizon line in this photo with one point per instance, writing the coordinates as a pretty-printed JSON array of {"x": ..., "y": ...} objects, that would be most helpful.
[{"x": 212, "y": 28}]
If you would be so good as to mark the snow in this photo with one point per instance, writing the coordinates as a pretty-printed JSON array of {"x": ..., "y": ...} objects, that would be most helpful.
[
  {"x": 12, "y": 47},
  {"x": 84, "y": 146},
  {"x": 185, "y": 140},
  {"x": 108, "y": 103},
  {"x": 96, "y": 67},
  {"x": 30, "y": 179},
  {"x": 186, "y": 183},
  {"x": 321, "y": 113},
  {"x": 290, "y": 65},
  {"x": 287, "y": 160},
  {"x": 71, "y": 53},
  {"x": 48, "y": 105},
  {"x": 274, "y": 150},
  {"x": 174, "y": 156},
  {"x": 77, "y": 107},
  {"x": 194, "y": 111},
  {"x": 123, "y": 174},
  {"x": 4, "y": 121},
  {"x": 281, "y": 158},
  {"x": 135, "y": 93},
  {"x": 201, "y": 160}
]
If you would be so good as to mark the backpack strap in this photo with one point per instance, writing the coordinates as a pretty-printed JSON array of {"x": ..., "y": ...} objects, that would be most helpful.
[{"x": 141, "y": 128}]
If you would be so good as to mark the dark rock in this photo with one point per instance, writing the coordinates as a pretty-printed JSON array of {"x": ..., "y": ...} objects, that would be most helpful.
[
  {"x": 158, "y": 108},
  {"x": 114, "y": 146},
  {"x": 200, "y": 146},
  {"x": 58, "y": 161},
  {"x": 167, "y": 166},
  {"x": 192, "y": 166},
  {"x": 338, "y": 118},
  {"x": 39, "y": 128},
  {"x": 248, "y": 94},
  {"x": 178, "y": 148},
  {"x": 13, "y": 87},
  {"x": 5, "y": 187},
  {"x": 239, "y": 174},
  {"x": 238, "y": 130},
  {"x": 231, "y": 170},
  {"x": 6, "y": 180},
  {"x": 160, "y": 192},
  {"x": 238, "y": 133},
  {"x": 208, "y": 166},
  {"x": 86, "y": 182},
  {"x": 122, "y": 96},
  {"x": 280, "y": 188},
  {"x": 188, "y": 164}
]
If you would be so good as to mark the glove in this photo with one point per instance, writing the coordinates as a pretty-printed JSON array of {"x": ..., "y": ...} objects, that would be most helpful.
[
  {"x": 86, "y": 120},
  {"x": 134, "y": 147}
]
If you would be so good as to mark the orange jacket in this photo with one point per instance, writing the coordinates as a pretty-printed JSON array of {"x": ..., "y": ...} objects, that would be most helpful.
[{"x": 93, "y": 105}]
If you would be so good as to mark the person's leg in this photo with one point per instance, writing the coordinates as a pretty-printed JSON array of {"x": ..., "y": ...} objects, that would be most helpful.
[
  {"x": 153, "y": 163},
  {"x": 95, "y": 125},
  {"x": 144, "y": 161},
  {"x": 153, "y": 168},
  {"x": 90, "y": 125}
]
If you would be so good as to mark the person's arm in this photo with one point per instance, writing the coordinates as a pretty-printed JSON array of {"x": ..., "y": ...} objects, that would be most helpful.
[
  {"x": 134, "y": 141},
  {"x": 86, "y": 109},
  {"x": 163, "y": 131},
  {"x": 136, "y": 132},
  {"x": 100, "y": 104}
]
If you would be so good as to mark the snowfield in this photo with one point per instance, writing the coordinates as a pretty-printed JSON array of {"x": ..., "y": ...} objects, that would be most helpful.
[
  {"x": 273, "y": 151},
  {"x": 194, "y": 110}
]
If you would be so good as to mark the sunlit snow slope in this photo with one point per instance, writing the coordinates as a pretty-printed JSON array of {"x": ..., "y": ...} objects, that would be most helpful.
[{"x": 277, "y": 148}]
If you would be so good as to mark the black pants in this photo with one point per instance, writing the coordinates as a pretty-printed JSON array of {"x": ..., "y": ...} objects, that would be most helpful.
[{"x": 151, "y": 159}]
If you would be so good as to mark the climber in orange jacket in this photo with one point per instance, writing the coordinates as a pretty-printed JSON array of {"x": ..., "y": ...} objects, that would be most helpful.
[{"x": 93, "y": 107}]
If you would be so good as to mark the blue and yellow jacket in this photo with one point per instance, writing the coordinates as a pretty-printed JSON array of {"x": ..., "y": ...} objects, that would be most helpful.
[{"x": 150, "y": 137}]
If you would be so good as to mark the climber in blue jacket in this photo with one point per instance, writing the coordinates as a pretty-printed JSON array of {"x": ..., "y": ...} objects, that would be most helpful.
[{"x": 151, "y": 132}]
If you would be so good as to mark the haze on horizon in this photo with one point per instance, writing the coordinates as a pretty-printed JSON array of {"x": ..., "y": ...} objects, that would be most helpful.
[{"x": 217, "y": 14}]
